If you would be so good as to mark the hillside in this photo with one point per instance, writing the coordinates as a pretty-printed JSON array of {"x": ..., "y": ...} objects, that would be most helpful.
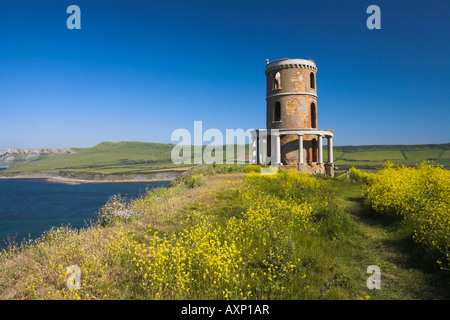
[
  {"x": 111, "y": 160},
  {"x": 128, "y": 160},
  {"x": 120, "y": 159},
  {"x": 232, "y": 236},
  {"x": 11, "y": 157}
]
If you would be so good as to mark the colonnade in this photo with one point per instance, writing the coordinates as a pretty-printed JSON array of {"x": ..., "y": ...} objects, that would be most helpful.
[{"x": 260, "y": 157}]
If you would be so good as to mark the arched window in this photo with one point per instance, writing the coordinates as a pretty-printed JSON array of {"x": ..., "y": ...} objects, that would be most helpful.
[
  {"x": 312, "y": 80},
  {"x": 313, "y": 150},
  {"x": 313, "y": 116},
  {"x": 277, "y": 112},
  {"x": 277, "y": 81}
]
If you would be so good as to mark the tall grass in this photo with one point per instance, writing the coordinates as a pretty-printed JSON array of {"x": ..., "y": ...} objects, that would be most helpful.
[
  {"x": 421, "y": 196},
  {"x": 233, "y": 236}
]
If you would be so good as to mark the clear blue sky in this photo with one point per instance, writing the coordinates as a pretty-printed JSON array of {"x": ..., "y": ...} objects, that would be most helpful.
[{"x": 137, "y": 70}]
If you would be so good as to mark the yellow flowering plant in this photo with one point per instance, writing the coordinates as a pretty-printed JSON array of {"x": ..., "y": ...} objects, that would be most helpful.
[{"x": 420, "y": 195}]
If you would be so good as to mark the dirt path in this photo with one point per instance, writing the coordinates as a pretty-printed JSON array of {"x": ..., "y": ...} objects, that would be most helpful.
[{"x": 405, "y": 272}]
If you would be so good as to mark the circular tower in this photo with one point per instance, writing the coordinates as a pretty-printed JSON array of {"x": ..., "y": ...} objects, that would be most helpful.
[{"x": 291, "y": 102}]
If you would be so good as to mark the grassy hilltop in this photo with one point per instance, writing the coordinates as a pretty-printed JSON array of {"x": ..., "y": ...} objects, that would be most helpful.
[{"x": 243, "y": 235}]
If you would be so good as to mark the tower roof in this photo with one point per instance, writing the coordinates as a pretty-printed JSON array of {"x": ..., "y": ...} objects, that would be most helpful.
[{"x": 290, "y": 63}]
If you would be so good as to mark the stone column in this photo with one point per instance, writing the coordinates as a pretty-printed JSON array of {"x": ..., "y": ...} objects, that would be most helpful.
[
  {"x": 258, "y": 158},
  {"x": 300, "y": 149},
  {"x": 320, "y": 148},
  {"x": 254, "y": 147},
  {"x": 330, "y": 149},
  {"x": 276, "y": 152},
  {"x": 262, "y": 156}
]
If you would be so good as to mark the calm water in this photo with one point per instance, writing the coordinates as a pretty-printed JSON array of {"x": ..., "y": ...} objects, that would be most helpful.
[{"x": 28, "y": 207}]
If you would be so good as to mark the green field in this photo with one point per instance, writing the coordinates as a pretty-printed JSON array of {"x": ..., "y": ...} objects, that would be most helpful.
[
  {"x": 123, "y": 160},
  {"x": 373, "y": 157}
]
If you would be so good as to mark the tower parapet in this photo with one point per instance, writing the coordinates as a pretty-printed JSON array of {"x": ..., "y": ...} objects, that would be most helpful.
[{"x": 290, "y": 63}]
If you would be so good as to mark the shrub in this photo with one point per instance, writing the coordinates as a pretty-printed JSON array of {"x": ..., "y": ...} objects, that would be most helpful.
[
  {"x": 254, "y": 255},
  {"x": 114, "y": 209},
  {"x": 252, "y": 168},
  {"x": 358, "y": 175},
  {"x": 420, "y": 195},
  {"x": 196, "y": 181}
]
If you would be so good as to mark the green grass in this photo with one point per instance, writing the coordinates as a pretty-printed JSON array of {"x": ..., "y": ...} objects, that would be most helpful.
[
  {"x": 445, "y": 154},
  {"x": 406, "y": 272},
  {"x": 427, "y": 153},
  {"x": 373, "y": 155}
]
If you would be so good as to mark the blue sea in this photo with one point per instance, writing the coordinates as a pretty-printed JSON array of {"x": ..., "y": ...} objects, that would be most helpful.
[{"x": 28, "y": 207}]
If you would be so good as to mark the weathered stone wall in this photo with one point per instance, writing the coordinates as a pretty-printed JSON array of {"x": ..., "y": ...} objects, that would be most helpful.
[
  {"x": 305, "y": 168},
  {"x": 295, "y": 112},
  {"x": 293, "y": 79},
  {"x": 315, "y": 168}
]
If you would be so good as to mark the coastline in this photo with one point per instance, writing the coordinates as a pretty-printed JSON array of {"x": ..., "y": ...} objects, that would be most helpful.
[{"x": 74, "y": 181}]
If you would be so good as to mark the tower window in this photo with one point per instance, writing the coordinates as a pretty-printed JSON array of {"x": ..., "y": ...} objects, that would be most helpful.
[
  {"x": 277, "y": 112},
  {"x": 277, "y": 81},
  {"x": 312, "y": 80},
  {"x": 313, "y": 116}
]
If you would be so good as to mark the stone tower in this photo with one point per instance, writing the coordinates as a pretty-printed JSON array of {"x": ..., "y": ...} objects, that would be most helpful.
[
  {"x": 291, "y": 102},
  {"x": 291, "y": 118}
]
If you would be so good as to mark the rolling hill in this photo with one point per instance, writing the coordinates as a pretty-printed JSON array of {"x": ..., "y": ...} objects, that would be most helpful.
[
  {"x": 129, "y": 159},
  {"x": 105, "y": 159}
]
